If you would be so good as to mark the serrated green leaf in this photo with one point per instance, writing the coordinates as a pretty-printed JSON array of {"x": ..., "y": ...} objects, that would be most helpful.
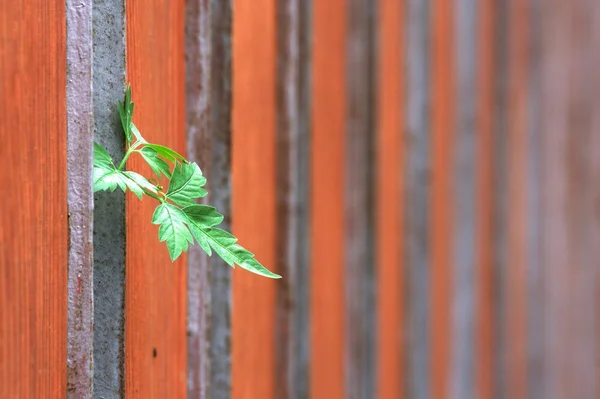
[
  {"x": 186, "y": 184},
  {"x": 201, "y": 220},
  {"x": 159, "y": 166},
  {"x": 173, "y": 229},
  {"x": 101, "y": 156},
  {"x": 137, "y": 134},
  {"x": 140, "y": 181},
  {"x": 166, "y": 153}
]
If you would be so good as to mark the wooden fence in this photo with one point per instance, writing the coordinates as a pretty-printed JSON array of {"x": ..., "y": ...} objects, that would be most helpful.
[{"x": 425, "y": 174}]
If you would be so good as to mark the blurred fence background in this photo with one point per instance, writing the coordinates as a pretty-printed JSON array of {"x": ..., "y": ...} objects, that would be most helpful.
[{"x": 425, "y": 174}]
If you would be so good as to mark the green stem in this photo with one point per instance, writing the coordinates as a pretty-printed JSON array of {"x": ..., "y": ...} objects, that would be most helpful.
[{"x": 130, "y": 151}]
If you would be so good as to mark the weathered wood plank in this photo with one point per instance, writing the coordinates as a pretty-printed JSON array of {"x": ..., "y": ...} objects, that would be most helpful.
[
  {"x": 108, "y": 26},
  {"x": 208, "y": 100},
  {"x": 293, "y": 144},
  {"x": 156, "y": 295},
  {"x": 254, "y": 195},
  {"x": 463, "y": 180},
  {"x": 417, "y": 204},
  {"x": 391, "y": 102},
  {"x": 442, "y": 235},
  {"x": 360, "y": 320},
  {"x": 328, "y": 142},
  {"x": 518, "y": 191},
  {"x": 33, "y": 216},
  {"x": 485, "y": 159},
  {"x": 80, "y": 199}
]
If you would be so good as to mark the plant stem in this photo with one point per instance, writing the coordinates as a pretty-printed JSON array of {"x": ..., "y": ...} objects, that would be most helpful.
[{"x": 130, "y": 151}]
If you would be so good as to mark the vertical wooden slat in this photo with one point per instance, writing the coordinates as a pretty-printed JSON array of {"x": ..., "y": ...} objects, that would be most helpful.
[
  {"x": 155, "y": 307},
  {"x": 328, "y": 120},
  {"x": 500, "y": 210},
  {"x": 80, "y": 198},
  {"x": 33, "y": 216},
  {"x": 517, "y": 229},
  {"x": 292, "y": 318},
  {"x": 208, "y": 105},
  {"x": 390, "y": 185},
  {"x": 359, "y": 207},
  {"x": 417, "y": 202},
  {"x": 484, "y": 337},
  {"x": 440, "y": 228},
  {"x": 108, "y": 30},
  {"x": 463, "y": 182},
  {"x": 253, "y": 190}
]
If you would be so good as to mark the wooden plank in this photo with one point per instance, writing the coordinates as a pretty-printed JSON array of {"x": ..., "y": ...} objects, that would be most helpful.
[
  {"x": 208, "y": 100},
  {"x": 254, "y": 195},
  {"x": 570, "y": 192},
  {"x": 484, "y": 337},
  {"x": 328, "y": 124},
  {"x": 34, "y": 252},
  {"x": 80, "y": 199},
  {"x": 441, "y": 223},
  {"x": 417, "y": 203},
  {"x": 517, "y": 223},
  {"x": 155, "y": 307},
  {"x": 500, "y": 210},
  {"x": 293, "y": 145},
  {"x": 359, "y": 203},
  {"x": 108, "y": 27},
  {"x": 390, "y": 185},
  {"x": 464, "y": 159}
]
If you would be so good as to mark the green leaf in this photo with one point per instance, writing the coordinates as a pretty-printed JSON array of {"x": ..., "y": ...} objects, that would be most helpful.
[
  {"x": 140, "y": 181},
  {"x": 173, "y": 229},
  {"x": 166, "y": 153},
  {"x": 126, "y": 113},
  {"x": 137, "y": 134},
  {"x": 201, "y": 222},
  {"x": 186, "y": 184},
  {"x": 101, "y": 156},
  {"x": 157, "y": 164}
]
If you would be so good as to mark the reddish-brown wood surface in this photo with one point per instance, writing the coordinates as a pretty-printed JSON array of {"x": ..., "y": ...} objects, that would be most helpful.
[
  {"x": 155, "y": 304},
  {"x": 517, "y": 218},
  {"x": 484, "y": 337},
  {"x": 253, "y": 196},
  {"x": 442, "y": 125},
  {"x": 328, "y": 112},
  {"x": 389, "y": 221},
  {"x": 33, "y": 215}
]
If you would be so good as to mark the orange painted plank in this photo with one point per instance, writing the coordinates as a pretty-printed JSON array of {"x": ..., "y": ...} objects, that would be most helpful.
[
  {"x": 155, "y": 303},
  {"x": 33, "y": 215},
  {"x": 484, "y": 349},
  {"x": 390, "y": 350},
  {"x": 253, "y": 196},
  {"x": 442, "y": 125},
  {"x": 517, "y": 230},
  {"x": 327, "y": 199}
]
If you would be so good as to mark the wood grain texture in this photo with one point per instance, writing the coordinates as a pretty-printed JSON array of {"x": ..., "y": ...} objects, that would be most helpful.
[
  {"x": 208, "y": 107},
  {"x": 484, "y": 336},
  {"x": 417, "y": 212},
  {"x": 464, "y": 161},
  {"x": 390, "y": 195},
  {"x": 33, "y": 217},
  {"x": 518, "y": 191},
  {"x": 254, "y": 196},
  {"x": 155, "y": 305},
  {"x": 359, "y": 203},
  {"x": 443, "y": 138},
  {"x": 293, "y": 148},
  {"x": 328, "y": 122}
]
